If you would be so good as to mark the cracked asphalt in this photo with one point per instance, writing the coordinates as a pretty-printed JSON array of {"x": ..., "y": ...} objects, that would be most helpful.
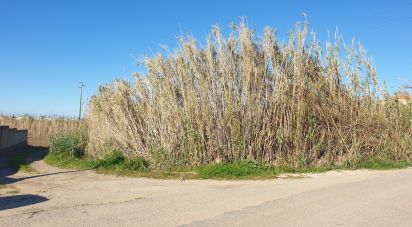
[{"x": 61, "y": 197}]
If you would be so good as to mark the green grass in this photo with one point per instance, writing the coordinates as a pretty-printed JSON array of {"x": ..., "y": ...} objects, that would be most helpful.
[
  {"x": 376, "y": 163},
  {"x": 113, "y": 165},
  {"x": 62, "y": 154},
  {"x": 253, "y": 170},
  {"x": 68, "y": 150},
  {"x": 69, "y": 162},
  {"x": 17, "y": 162},
  {"x": 116, "y": 164},
  {"x": 239, "y": 170}
]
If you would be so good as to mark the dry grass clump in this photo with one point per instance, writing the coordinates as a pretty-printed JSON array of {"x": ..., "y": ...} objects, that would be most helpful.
[
  {"x": 244, "y": 97},
  {"x": 41, "y": 127}
]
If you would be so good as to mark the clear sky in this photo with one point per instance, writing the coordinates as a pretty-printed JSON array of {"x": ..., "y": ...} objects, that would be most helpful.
[{"x": 47, "y": 47}]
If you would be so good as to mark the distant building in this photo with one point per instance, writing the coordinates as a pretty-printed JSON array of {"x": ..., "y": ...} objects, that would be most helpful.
[{"x": 404, "y": 97}]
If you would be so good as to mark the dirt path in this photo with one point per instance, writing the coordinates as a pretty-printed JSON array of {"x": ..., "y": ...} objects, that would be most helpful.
[{"x": 59, "y": 197}]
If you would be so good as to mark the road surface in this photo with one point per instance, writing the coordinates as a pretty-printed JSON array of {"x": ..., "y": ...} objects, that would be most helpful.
[{"x": 59, "y": 197}]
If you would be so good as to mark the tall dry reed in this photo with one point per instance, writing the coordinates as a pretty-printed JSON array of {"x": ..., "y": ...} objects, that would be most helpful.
[
  {"x": 41, "y": 127},
  {"x": 244, "y": 97}
]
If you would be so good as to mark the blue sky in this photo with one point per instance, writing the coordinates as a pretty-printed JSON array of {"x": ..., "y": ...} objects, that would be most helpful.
[{"x": 47, "y": 47}]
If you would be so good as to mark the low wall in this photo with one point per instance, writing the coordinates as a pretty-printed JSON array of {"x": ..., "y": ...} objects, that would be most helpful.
[{"x": 11, "y": 138}]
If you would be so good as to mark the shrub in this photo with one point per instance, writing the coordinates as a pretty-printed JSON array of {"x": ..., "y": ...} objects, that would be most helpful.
[
  {"x": 72, "y": 144},
  {"x": 136, "y": 164},
  {"x": 111, "y": 160},
  {"x": 117, "y": 161}
]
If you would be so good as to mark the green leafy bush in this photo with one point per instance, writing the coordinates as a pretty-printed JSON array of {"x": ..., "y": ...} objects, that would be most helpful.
[
  {"x": 111, "y": 160},
  {"x": 72, "y": 144},
  {"x": 117, "y": 161}
]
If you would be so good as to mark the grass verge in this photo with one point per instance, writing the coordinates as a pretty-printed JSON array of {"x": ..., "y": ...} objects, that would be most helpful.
[
  {"x": 116, "y": 164},
  {"x": 253, "y": 170},
  {"x": 69, "y": 162}
]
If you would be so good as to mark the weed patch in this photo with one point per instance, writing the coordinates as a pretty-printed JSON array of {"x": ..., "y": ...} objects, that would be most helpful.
[
  {"x": 117, "y": 164},
  {"x": 237, "y": 170}
]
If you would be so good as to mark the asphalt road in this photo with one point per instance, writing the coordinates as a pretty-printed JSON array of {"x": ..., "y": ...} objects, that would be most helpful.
[{"x": 57, "y": 197}]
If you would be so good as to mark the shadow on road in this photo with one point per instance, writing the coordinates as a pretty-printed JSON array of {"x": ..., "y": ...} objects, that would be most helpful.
[
  {"x": 15, "y": 201},
  {"x": 7, "y": 180},
  {"x": 11, "y": 161},
  {"x": 36, "y": 153}
]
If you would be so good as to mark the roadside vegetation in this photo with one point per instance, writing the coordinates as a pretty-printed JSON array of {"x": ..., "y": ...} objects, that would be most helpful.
[
  {"x": 244, "y": 106},
  {"x": 68, "y": 150},
  {"x": 41, "y": 127},
  {"x": 247, "y": 97}
]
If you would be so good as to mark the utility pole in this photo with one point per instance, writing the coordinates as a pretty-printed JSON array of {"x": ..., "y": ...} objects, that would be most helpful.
[{"x": 81, "y": 97}]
